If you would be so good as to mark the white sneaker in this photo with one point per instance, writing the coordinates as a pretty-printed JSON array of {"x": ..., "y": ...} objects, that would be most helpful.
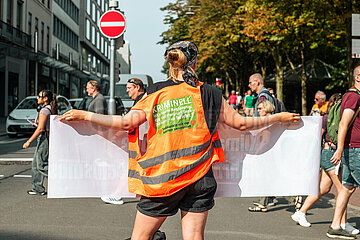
[
  {"x": 113, "y": 200},
  {"x": 300, "y": 218},
  {"x": 350, "y": 229}
]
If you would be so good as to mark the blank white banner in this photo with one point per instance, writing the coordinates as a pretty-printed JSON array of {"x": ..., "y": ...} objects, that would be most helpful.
[{"x": 91, "y": 161}]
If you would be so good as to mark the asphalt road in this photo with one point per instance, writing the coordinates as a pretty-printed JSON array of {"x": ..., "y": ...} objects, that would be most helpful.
[{"x": 25, "y": 217}]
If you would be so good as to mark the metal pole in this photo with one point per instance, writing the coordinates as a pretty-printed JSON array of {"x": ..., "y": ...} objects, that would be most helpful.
[
  {"x": 36, "y": 62},
  {"x": 57, "y": 70},
  {"x": 112, "y": 108}
]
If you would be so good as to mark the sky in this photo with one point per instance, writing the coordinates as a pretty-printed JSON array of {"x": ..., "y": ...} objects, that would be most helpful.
[{"x": 144, "y": 21}]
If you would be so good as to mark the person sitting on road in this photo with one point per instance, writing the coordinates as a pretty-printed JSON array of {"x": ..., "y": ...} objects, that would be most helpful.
[
  {"x": 169, "y": 182},
  {"x": 39, "y": 170}
]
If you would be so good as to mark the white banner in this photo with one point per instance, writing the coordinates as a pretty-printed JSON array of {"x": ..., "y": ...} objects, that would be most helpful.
[{"x": 281, "y": 160}]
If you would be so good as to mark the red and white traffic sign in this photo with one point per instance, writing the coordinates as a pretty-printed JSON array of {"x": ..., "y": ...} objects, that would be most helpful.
[{"x": 112, "y": 24}]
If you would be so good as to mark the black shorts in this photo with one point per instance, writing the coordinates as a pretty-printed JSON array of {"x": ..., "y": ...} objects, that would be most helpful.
[{"x": 197, "y": 197}]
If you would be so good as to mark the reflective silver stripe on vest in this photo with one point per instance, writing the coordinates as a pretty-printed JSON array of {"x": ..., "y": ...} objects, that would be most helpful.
[
  {"x": 134, "y": 174},
  {"x": 133, "y": 154},
  {"x": 177, "y": 173},
  {"x": 185, "y": 152}
]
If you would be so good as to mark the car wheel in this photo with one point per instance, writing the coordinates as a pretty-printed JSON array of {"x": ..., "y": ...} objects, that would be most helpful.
[{"x": 12, "y": 135}]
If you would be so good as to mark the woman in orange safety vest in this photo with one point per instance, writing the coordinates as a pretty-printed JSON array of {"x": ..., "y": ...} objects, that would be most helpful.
[{"x": 182, "y": 143}]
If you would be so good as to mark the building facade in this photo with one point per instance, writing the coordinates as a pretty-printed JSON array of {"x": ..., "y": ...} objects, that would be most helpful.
[{"x": 51, "y": 44}]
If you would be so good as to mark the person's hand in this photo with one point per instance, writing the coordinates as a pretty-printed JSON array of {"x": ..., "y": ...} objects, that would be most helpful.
[
  {"x": 74, "y": 115},
  {"x": 336, "y": 158},
  {"x": 26, "y": 145},
  {"x": 289, "y": 117}
]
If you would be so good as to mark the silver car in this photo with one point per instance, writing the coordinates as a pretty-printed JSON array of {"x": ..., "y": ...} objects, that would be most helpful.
[{"x": 20, "y": 119}]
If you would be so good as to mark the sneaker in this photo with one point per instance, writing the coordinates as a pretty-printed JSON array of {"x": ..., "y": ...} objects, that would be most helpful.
[
  {"x": 300, "y": 218},
  {"x": 339, "y": 233},
  {"x": 113, "y": 200},
  {"x": 33, "y": 192},
  {"x": 350, "y": 229}
]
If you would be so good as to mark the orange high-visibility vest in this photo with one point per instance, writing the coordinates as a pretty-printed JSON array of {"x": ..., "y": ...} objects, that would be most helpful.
[{"x": 180, "y": 147}]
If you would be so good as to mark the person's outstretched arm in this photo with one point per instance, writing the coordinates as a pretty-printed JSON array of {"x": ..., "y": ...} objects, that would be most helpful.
[
  {"x": 131, "y": 120},
  {"x": 231, "y": 118}
]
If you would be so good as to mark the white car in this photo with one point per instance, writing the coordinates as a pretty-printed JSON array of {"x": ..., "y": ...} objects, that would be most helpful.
[{"x": 25, "y": 112}]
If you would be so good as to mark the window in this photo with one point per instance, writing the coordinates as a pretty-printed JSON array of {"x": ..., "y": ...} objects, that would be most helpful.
[
  {"x": 36, "y": 23},
  {"x": 93, "y": 32},
  {"x": 98, "y": 40},
  {"x": 48, "y": 40},
  {"x": 29, "y": 23},
  {"x": 42, "y": 36},
  {"x": 102, "y": 45},
  {"x": 9, "y": 11},
  {"x": 19, "y": 15},
  {"x": 61, "y": 31},
  {"x": 88, "y": 7},
  {"x": 88, "y": 29},
  {"x": 94, "y": 12}
]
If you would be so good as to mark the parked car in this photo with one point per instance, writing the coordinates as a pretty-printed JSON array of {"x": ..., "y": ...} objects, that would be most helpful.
[
  {"x": 120, "y": 110},
  {"x": 120, "y": 87},
  {"x": 75, "y": 102},
  {"x": 25, "y": 112}
]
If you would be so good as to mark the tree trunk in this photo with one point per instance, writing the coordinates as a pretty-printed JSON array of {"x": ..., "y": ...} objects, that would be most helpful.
[
  {"x": 279, "y": 77},
  {"x": 303, "y": 82}
]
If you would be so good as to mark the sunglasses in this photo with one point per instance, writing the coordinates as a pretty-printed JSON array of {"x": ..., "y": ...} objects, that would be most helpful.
[{"x": 132, "y": 81}]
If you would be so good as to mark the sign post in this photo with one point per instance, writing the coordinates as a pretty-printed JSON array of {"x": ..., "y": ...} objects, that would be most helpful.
[{"x": 112, "y": 24}]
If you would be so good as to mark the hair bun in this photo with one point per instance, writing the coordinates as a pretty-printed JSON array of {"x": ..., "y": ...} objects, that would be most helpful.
[{"x": 173, "y": 56}]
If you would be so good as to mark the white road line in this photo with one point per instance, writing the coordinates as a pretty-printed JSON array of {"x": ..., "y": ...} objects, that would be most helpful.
[
  {"x": 12, "y": 141},
  {"x": 1, "y": 176},
  {"x": 23, "y": 176},
  {"x": 16, "y": 159}
]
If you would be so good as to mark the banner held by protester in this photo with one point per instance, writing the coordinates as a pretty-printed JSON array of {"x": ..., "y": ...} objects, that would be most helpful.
[{"x": 87, "y": 160}]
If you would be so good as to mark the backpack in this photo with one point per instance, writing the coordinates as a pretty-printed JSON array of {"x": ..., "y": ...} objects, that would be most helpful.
[
  {"x": 279, "y": 106},
  {"x": 334, "y": 118}
]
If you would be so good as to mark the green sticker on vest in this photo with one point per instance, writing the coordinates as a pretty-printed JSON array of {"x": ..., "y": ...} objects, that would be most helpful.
[{"x": 173, "y": 115}]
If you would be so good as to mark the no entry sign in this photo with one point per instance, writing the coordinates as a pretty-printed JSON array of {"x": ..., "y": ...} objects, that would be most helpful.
[{"x": 112, "y": 24}]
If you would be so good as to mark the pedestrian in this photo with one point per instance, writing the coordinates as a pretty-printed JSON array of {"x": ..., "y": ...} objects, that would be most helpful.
[
  {"x": 39, "y": 170},
  {"x": 256, "y": 84},
  {"x": 175, "y": 172},
  {"x": 98, "y": 102},
  {"x": 328, "y": 175},
  {"x": 320, "y": 106},
  {"x": 135, "y": 89},
  {"x": 249, "y": 104},
  {"x": 348, "y": 148},
  {"x": 233, "y": 99}
]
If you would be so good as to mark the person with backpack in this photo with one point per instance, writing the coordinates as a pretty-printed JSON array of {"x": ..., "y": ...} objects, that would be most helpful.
[
  {"x": 47, "y": 106},
  {"x": 348, "y": 148},
  {"x": 256, "y": 84},
  {"x": 328, "y": 175}
]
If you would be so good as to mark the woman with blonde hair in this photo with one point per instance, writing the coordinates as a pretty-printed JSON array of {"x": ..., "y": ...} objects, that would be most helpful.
[{"x": 183, "y": 142}]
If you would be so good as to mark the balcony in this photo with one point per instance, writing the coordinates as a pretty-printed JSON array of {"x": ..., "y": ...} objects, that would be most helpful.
[{"x": 14, "y": 35}]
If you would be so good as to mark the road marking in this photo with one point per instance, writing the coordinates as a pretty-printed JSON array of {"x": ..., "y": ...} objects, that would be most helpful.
[
  {"x": 16, "y": 159},
  {"x": 11, "y": 141},
  {"x": 23, "y": 176},
  {"x": 1, "y": 176}
]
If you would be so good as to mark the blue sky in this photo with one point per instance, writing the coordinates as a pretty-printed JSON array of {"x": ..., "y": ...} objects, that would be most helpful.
[{"x": 144, "y": 21}]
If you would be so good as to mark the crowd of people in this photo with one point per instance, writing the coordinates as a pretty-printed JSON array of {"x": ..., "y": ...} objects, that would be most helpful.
[{"x": 177, "y": 176}]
